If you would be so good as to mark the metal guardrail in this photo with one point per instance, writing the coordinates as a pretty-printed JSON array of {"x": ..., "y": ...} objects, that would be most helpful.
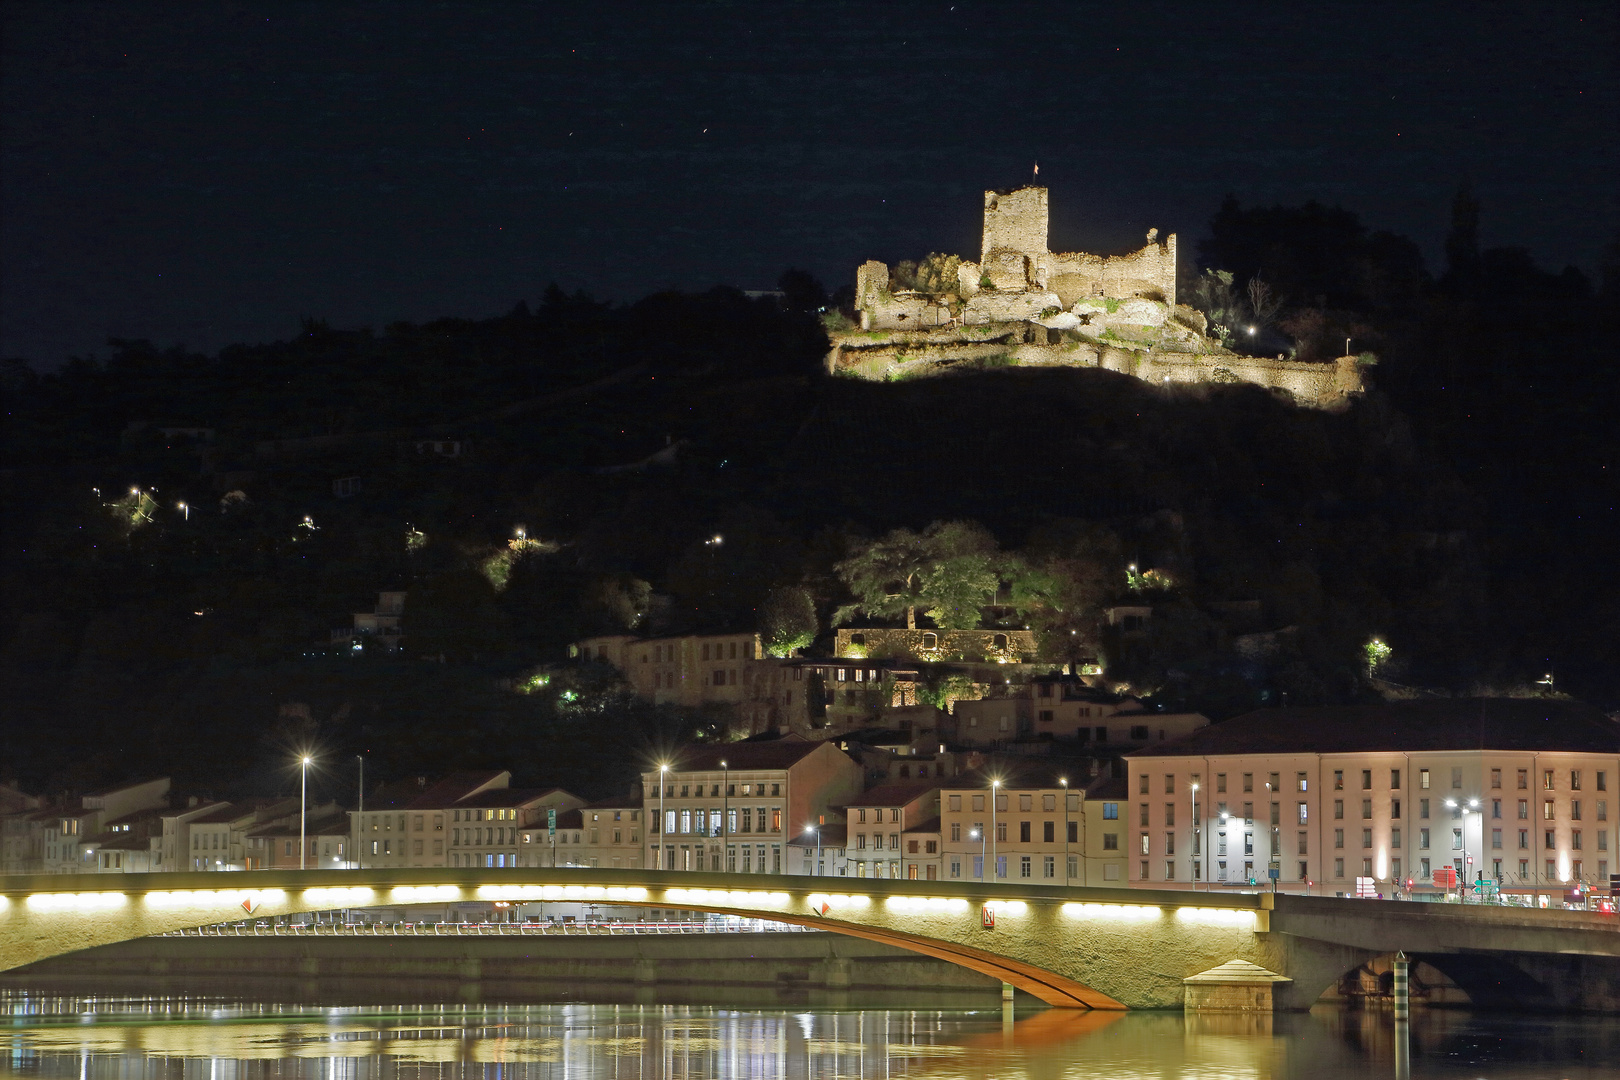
[{"x": 548, "y": 929}]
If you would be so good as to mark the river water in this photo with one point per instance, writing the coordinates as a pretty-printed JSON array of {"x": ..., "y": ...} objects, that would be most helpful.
[{"x": 76, "y": 1035}]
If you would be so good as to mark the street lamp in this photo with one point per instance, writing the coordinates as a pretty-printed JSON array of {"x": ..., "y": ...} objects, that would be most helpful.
[
  {"x": 817, "y": 830},
  {"x": 725, "y": 815},
  {"x": 663, "y": 773},
  {"x": 1462, "y": 814},
  {"x": 303, "y": 801},
  {"x": 1063, "y": 782},
  {"x": 186, "y": 510},
  {"x": 995, "y": 787},
  {"x": 978, "y": 834}
]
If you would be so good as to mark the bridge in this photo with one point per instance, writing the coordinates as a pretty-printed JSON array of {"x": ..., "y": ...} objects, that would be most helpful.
[{"x": 1089, "y": 948}]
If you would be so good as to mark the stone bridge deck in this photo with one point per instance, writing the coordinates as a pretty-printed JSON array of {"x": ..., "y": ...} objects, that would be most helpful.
[{"x": 1075, "y": 947}]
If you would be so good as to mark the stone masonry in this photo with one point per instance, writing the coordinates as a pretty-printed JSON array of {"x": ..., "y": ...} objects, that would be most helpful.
[{"x": 1024, "y": 305}]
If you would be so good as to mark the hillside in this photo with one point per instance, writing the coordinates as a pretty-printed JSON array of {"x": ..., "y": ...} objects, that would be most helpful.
[{"x": 139, "y": 637}]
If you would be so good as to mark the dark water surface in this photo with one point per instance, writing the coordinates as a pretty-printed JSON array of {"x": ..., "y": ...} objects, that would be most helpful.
[{"x": 184, "y": 1037}]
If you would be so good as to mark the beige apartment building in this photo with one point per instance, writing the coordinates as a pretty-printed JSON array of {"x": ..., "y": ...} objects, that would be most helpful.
[
  {"x": 603, "y": 834},
  {"x": 893, "y": 832},
  {"x": 325, "y": 836},
  {"x": 1047, "y": 827},
  {"x": 1063, "y": 708},
  {"x": 1396, "y": 796},
  {"x": 473, "y": 818},
  {"x": 694, "y": 669},
  {"x": 734, "y": 807},
  {"x": 66, "y": 839}
]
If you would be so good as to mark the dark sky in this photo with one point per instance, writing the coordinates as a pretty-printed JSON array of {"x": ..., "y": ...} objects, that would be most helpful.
[{"x": 207, "y": 173}]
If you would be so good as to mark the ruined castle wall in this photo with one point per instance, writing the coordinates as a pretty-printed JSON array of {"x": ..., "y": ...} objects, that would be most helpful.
[
  {"x": 1149, "y": 272},
  {"x": 993, "y": 306},
  {"x": 1321, "y": 385},
  {"x": 908, "y": 311},
  {"x": 1015, "y": 221},
  {"x": 871, "y": 283}
]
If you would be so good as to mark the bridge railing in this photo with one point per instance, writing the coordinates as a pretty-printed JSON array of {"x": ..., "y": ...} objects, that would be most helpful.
[{"x": 406, "y": 929}]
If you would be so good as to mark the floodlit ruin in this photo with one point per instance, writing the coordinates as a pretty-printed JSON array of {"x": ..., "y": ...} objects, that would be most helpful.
[{"x": 1024, "y": 305}]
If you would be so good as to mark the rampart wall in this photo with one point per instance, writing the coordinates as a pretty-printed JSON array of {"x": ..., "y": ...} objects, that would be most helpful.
[{"x": 1023, "y": 304}]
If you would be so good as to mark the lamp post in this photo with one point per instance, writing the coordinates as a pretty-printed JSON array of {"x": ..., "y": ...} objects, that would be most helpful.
[
  {"x": 979, "y": 835},
  {"x": 1462, "y": 814},
  {"x": 725, "y": 815},
  {"x": 1063, "y": 782},
  {"x": 663, "y": 773},
  {"x": 1195, "y": 850},
  {"x": 817, "y": 830},
  {"x": 995, "y": 787},
  {"x": 303, "y": 792}
]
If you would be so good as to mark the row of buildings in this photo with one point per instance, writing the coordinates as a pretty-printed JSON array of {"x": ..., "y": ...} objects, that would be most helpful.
[{"x": 1514, "y": 795}]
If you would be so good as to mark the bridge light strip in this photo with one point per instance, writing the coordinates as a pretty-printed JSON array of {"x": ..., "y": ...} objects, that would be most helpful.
[
  {"x": 347, "y": 896},
  {"x": 209, "y": 897},
  {"x": 1218, "y": 916},
  {"x": 1117, "y": 912},
  {"x": 731, "y": 897},
  {"x": 416, "y": 894},
  {"x": 837, "y": 900},
  {"x": 1007, "y": 907},
  {"x": 560, "y": 892},
  {"x": 926, "y": 903},
  {"x": 83, "y": 901}
]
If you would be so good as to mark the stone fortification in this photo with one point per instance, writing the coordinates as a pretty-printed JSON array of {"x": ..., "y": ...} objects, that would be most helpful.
[{"x": 1022, "y": 304}]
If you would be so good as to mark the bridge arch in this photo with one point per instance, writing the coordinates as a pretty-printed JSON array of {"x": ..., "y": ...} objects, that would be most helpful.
[
  {"x": 1489, "y": 980},
  {"x": 193, "y": 908}
]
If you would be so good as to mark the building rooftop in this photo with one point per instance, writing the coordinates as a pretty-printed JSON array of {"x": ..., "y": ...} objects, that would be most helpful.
[
  {"x": 116, "y": 788},
  {"x": 236, "y": 811},
  {"x": 568, "y": 819},
  {"x": 139, "y": 817},
  {"x": 327, "y": 825},
  {"x": 504, "y": 797},
  {"x": 1523, "y": 725},
  {"x": 1022, "y": 773},
  {"x": 896, "y": 794},
  {"x": 449, "y": 791},
  {"x": 743, "y": 756},
  {"x": 1112, "y": 788}
]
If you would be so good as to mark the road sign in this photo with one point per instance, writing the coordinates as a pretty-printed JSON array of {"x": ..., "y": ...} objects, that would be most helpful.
[
  {"x": 1274, "y": 873},
  {"x": 987, "y": 916},
  {"x": 551, "y": 823}
]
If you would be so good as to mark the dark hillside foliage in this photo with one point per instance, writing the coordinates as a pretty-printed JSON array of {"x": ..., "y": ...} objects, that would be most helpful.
[{"x": 1463, "y": 511}]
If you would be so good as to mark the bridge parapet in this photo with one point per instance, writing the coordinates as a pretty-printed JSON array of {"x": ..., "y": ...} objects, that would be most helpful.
[{"x": 1077, "y": 947}]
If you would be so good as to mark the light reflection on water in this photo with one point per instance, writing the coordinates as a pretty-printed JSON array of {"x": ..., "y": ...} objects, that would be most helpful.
[{"x": 95, "y": 1037}]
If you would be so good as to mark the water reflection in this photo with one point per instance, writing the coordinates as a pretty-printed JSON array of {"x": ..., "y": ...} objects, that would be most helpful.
[{"x": 181, "y": 1037}]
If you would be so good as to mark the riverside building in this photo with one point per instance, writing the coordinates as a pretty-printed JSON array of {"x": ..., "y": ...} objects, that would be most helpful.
[{"x": 1496, "y": 794}]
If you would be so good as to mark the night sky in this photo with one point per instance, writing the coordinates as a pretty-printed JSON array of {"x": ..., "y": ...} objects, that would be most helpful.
[{"x": 209, "y": 173}]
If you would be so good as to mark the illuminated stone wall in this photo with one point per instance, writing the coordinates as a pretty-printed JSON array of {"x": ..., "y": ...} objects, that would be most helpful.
[{"x": 995, "y": 646}]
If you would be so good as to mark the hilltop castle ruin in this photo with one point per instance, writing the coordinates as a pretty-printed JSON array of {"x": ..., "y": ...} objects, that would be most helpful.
[{"x": 1022, "y": 304}]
